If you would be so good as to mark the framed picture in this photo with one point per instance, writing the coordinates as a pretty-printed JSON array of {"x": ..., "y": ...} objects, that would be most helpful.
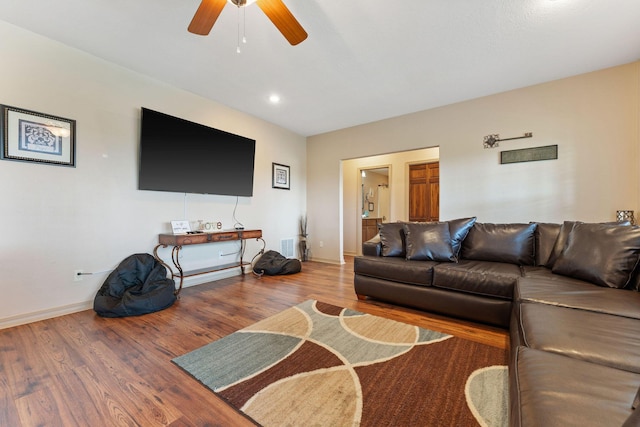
[
  {"x": 281, "y": 176},
  {"x": 371, "y": 207},
  {"x": 29, "y": 136}
]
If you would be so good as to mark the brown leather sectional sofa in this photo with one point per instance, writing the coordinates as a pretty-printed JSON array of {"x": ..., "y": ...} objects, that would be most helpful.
[{"x": 567, "y": 292}]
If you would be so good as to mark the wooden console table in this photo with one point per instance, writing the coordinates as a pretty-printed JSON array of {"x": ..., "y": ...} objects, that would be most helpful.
[{"x": 180, "y": 240}]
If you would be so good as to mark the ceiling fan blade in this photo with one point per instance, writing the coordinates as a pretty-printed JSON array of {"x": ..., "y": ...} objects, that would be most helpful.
[
  {"x": 206, "y": 16},
  {"x": 283, "y": 19}
]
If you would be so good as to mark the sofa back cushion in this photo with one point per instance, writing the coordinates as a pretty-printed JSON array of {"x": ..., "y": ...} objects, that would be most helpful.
[
  {"x": 602, "y": 254},
  {"x": 392, "y": 239},
  {"x": 560, "y": 243},
  {"x": 511, "y": 243},
  {"x": 459, "y": 229},
  {"x": 546, "y": 236},
  {"x": 428, "y": 241},
  {"x": 563, "y": 236}
]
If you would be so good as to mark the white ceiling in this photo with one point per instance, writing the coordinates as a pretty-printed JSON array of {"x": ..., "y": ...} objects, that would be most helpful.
[{"x": 364, "y": 60}]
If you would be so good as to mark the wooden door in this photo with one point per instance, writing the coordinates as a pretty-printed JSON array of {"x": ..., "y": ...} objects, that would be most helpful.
[{"x": 424, "y": 192}]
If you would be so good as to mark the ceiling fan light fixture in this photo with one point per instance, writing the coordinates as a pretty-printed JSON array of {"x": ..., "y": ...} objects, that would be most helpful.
[
  {"x": 276, "y": 11},
  {"x": 241, "y": 3}
]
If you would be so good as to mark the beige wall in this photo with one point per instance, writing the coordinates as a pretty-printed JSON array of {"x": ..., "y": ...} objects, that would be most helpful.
[
  {"x": 56, "y": 220},
  {"x": 593, "y": 118}
]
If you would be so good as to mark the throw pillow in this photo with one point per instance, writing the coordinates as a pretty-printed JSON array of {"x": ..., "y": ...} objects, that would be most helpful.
[
  {"x": 510, "y": 243},
  {"x": 392, "y": 239},
  {"x": 459, "y": 229},
  {"x": 601, "y": 254},
  {"x": 429, "y": 241},
  {"x": 561, "y": 241}
]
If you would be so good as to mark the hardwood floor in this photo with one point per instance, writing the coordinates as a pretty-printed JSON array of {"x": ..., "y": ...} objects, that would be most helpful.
[{"x": 84, "y": 370}]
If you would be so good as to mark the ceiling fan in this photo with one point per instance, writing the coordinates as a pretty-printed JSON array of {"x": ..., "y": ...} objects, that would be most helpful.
[{"x": 276, "y": 11}]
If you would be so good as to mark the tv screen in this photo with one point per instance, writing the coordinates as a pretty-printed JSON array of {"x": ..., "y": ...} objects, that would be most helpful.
[{"x": 186, "y": 157}]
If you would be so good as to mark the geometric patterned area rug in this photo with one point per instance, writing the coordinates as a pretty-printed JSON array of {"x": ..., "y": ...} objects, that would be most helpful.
[{"x": 316, "y": 364}]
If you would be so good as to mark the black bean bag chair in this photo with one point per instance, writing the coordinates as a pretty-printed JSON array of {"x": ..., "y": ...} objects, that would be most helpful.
[
  {"x": 272, "y": 263},
  {"x": 139, "y": 285}
]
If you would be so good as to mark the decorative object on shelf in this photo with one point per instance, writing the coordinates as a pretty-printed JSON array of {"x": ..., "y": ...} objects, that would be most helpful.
[
  {"x": 549, "y": 152},
  {"x": 626, "y": 215},
  {"x": 180, "y": 226},
  {"x": 304, "y": 250},
  {"x": 29, "y": 136},
  {"x": 492, "y": 141},
  {"x": 281, "y": 176}
]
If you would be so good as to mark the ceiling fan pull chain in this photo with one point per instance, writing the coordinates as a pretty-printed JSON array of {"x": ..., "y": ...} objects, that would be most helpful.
[
  {"x": 244, "y": 25},
  {"x": 238, "y": 45}
]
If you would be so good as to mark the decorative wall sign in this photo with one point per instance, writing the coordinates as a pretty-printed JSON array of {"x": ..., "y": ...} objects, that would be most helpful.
[
  {"x": 549, "y": 152},
  {"x": 281, "y": 176},
  {"x": 36, "y": 137}
]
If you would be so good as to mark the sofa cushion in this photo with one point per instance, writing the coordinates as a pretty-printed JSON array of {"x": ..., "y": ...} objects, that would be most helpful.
[
  {"x": 560, "y": 242},
  {"x": 484, "y": 278},
  {"x": 428, "y": 241},
  {"x": 459, "y": 230},
  {"x": 392, "y": 239},
  {"x": 395, "y": 269},
  {"x": 573, "y": 293},
  {"x": 552, "y": 390},
  {"x": 546, "y": 236},
  {"x": 510, "y": 243},
  {"x": 563, "y": 236},
  {"x": 372, "y": 246},
  {"x": 599, "y": 253},
  {"x": 633, "y": 420},
  {"x": 595, "y": 337}
]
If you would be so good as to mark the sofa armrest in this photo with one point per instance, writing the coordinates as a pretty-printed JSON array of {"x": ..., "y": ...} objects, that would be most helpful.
[{"x": 372, "y": 247}]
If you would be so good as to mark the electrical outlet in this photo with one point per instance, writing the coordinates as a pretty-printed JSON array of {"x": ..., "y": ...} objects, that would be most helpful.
[
  {"x": 77, "y": 275},
  {"x": 321, "y": 244}
]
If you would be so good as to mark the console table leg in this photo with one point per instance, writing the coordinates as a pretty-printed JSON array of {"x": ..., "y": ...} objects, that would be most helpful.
[
  {"x": 242, "y": 245},
  {"x": 165, "y": 265},
  {"x": 175, "y": 257}
]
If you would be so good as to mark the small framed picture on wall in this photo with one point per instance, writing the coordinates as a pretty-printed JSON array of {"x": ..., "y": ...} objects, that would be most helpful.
[{"x": 281, "y": 176}]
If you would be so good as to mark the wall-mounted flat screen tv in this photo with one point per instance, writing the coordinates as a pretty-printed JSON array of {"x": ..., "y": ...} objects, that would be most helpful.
[{"x": 186, "y": 157}]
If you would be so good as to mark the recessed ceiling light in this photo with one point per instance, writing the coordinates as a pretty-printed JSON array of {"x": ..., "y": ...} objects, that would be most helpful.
[{"x": 274, "y": 99}]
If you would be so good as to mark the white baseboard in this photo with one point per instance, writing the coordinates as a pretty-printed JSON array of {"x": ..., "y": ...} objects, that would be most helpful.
[
  {"x": 327, "y": 261},
  {"x": 35, "y": 316},
  {"x": 23, "y": 319}
]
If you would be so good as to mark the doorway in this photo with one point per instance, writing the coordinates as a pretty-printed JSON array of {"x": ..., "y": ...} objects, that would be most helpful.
[
  {"x": 398, "y": 190},
  {"x": 375, "y": 193},
  {"x": 375, "y": 200}
]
